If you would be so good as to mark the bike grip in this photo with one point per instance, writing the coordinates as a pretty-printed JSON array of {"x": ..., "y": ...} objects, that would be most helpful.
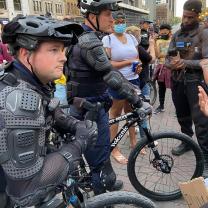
[
  {"x": 149, "y": 111},
  {"x": 138, "y": 102},
  {"x": 148, "y": 108}
]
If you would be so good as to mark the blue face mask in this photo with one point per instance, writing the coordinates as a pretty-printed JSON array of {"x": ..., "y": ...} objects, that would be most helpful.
[{"x": 120, "y": 28}]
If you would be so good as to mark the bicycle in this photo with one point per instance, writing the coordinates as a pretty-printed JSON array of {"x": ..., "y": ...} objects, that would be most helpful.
[
  {"x": 159, "y": 161},
  {"x": 76, "y": 191},
  {"x": 153, "y": 91},
  {"x": 152, "y": 85},
  {"x": 74, "y": 198}
]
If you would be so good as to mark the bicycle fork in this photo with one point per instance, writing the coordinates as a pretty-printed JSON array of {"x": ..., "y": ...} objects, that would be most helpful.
[{"x": 160, "y": 162}]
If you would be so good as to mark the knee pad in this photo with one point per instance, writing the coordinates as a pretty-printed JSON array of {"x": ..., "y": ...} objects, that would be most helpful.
[{"x": 107, "y": 175}]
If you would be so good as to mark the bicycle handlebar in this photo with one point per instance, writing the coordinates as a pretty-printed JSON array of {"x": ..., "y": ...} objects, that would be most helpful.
[{"x": 93, "y": 108}]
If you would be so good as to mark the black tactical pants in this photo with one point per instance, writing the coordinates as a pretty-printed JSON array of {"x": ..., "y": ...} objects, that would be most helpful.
[
  {"x": 162, "y": 91},
  {"x": 34, "y": 190},
  {"x": 185, "y": 98},
  {"x": 2, "y": 189}
]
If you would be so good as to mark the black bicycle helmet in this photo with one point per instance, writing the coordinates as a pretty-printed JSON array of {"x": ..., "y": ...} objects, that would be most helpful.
[
  {"x": 28, "y": 31},
  {"x": 96, "y": 6}
]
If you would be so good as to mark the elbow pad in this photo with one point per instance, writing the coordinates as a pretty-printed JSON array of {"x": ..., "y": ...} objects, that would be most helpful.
[
  {"x": 128, "y": 91},
  {"x": 114, "y": 80}
]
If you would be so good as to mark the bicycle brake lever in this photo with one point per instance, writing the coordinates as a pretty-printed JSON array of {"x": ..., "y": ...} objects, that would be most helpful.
[{"x": 144, "y": 111}]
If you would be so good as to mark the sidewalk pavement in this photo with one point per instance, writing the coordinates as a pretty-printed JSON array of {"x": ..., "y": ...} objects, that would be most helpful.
[{"x": 167, "y": 121}]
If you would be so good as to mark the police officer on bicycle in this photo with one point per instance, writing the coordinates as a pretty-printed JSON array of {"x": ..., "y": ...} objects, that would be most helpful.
[
  {"x": 27, "y": 112},
  {"x": 89, "y": 74},
  {"x": 188, "y": 46}
]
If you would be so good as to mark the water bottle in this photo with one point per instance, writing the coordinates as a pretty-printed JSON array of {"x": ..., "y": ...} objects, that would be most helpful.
[{"x": 134, "y": 65}]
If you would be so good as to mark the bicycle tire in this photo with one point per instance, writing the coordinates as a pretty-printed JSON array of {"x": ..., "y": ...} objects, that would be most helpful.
[
  {"x": 119, "y": 198},
  {"x": 153, "y": 92},
  {"x": 139, "y": 182}
]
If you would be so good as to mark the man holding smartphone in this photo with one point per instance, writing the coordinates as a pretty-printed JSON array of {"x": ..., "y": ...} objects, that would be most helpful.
[
  {"x": 190, "y": 43},
  {"x": 145, "y": 33}
]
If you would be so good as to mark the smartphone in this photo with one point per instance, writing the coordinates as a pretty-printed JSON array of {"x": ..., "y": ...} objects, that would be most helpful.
[{"x": 172, "y": 52}]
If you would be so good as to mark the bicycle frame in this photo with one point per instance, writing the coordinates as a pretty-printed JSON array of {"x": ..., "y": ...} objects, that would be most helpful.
[{"x": 131, "y": 119}]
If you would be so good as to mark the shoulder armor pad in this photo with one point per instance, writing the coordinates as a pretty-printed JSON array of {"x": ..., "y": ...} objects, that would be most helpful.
[
  {"x": 23, "y": 102},
  {"x": 6, "y": 75},
  {"x": 4, "y": 67},
  {"x": 23, "y": 137},
  {"x": 7, "y": 66},
  {"x": 89, "y": 40},
  {"x": 2, "y": 71}
]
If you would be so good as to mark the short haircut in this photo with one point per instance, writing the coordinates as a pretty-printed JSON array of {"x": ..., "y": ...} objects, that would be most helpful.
[{"x": 165, "y": 26}]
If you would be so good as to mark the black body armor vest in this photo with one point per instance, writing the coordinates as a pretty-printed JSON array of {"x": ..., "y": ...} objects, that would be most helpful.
[{"x": 83, "y": 80}]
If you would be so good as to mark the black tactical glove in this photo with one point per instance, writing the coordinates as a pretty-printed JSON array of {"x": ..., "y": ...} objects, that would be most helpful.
[
  {"x": 64, "y": 123},
  {"x": 137, "y": 102},
  {"x": 85, "y": 131},
  {"x": 145, "y": 110},
  {"x": 86, "y": 134},
  {"x": 85, "y": 137},
  {"x": 72, "y": 153}
]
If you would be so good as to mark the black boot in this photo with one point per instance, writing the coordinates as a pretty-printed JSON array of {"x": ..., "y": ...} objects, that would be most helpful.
[
  {"x": 118, "y": 185},
  {"x": 180, "y": 149}
]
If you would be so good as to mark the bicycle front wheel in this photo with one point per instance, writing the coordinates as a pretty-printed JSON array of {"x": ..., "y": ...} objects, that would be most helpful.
[
  {"x": 153, "y": 92},
  {"x": 158, "y": 179},
  {"x": 119, "y": 199}
]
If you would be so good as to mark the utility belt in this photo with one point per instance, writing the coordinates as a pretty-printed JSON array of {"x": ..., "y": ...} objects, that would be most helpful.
[
  {"x": 75, "y": 89},
  {"x": 106, "y": 104},
  {"x": 86, "y": 76},
  {"x": 90, "y": 107}
]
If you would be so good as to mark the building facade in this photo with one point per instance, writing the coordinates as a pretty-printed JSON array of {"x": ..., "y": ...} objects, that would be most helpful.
[
  {"x": 204, "y": 4},
  {"x": 162, "y": 13},
  {"x": 166, "y": 11},
  {"x": 10, "y": 8},
  {"x": 151, "y": 5},
  {"x": 42, "y": 7},
  {"x": 71, "y": 11},
  {"x": 161, "y": 1},
  {"x": 135, "y": 10}
]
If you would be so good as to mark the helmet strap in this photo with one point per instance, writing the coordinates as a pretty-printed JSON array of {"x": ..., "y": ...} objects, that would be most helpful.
[
  {"x": 32, "y": 69},
  {"x": 97, "y": 22}
]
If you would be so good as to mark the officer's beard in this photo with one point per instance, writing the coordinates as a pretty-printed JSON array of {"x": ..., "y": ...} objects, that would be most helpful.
[{"x": 186, "y": 28}]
